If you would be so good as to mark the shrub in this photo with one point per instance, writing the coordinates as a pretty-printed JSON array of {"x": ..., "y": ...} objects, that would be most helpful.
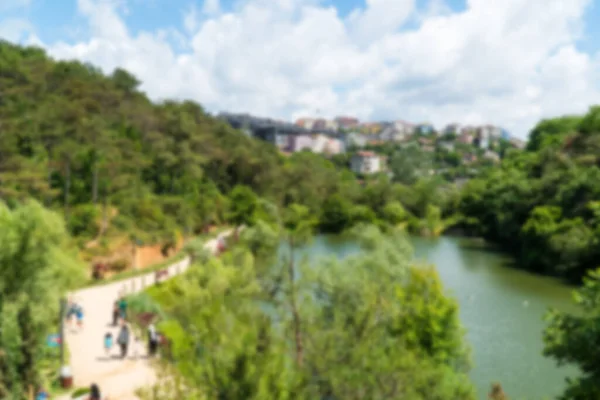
[{"x": 118, "y": 265}]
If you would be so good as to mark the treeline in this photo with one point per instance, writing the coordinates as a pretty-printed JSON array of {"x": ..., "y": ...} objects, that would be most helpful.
[
  {"x": 543, "y": 205},
  {"x": 97, "y": 149}
]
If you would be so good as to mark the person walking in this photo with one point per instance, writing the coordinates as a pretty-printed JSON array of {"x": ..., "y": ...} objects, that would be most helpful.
[
  {"x": 123, "y": 308},
  {"x": 152, "y": 340},
  {"x": 123, "y": 339},
  {"x": 115, "y": 314},
  {"x": 108, "y": 342},
  {"x": 79, "y": 315}
]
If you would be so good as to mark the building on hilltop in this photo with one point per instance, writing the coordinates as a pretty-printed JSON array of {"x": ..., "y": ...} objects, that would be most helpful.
[
  {"x": 320, "y": 142},
  {"x": 518, "y": 143},
  {"x": 356, "y": 139},
  {"x": 467, "y": 135},
  {"x": 404, "y": 127},
  {"x": 424, "y": 129},
  {"x": 319, "y": 124},
  {"x": 452, "y": 129},
  {"x": 307, "y": 123},
  {"x": 370, "y": 128},
  {"x": 299, "y": 142},
  {"x": 331, "y": 125},
  {"x": 334, "y": 146},
  {"x": 366, "y": 162},
  {"x": 391, "y": 134},
  {"x": 492, "y": 156},
  {"x": 347, "y": 122}
]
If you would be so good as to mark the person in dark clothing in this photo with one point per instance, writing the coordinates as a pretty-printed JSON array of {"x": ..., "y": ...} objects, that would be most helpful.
[
  {"x": 123, "y": 339},
  {"x": 94, "y": 392},
  {"x": 115, "y": 315},
  {"x": 152, "y": 340}
]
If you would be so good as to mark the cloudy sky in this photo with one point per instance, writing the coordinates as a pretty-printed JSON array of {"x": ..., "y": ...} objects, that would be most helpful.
[{"x": 505, "y": 62}]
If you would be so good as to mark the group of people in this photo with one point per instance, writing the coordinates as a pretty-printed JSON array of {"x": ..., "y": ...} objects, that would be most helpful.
[
  {"x": 124, "y": 335},
  {"x": 119, "y": 319}
]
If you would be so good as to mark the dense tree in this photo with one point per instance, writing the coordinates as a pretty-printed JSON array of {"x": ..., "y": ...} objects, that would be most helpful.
[
  {"x": 573, "y": 339},
  {"x": 373, "y": 326},
  {"x": 540, "y": 205},
  {"x": 36, "y": 269}
]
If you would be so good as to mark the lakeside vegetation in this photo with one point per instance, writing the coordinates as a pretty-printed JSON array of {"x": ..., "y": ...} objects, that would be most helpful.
[
  {"x": 111, "y": 164},
  {"x": 543, "y": 205},
  {"x": 251, "y": 325}
]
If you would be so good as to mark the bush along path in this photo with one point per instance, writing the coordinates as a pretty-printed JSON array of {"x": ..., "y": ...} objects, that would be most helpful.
[{"x": 117, "y": 378}]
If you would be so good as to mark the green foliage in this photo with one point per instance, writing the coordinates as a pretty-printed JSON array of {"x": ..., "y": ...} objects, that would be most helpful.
[
  {"x": 244, "y": 205},
  {"x": 552, "y": 132},
  {"x": 196, "y": 249},
  {"x": 372, "y": 325},
  {"x": 336, "y": 214},
  {"x": 409, "y": 163},
  {"x": 36, "y": 268},
  {"x": 394, "y": 213},
  {"x": 540, "y": 205},
  {"x": 84, "y": 221},
  {"x": 573, "y": 339}
]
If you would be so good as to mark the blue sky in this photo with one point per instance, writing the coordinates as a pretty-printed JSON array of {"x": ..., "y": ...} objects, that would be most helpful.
[{"x": 508, "y": 62}]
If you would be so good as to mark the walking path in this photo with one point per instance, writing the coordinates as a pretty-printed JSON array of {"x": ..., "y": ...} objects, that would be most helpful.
[{"x": 118, "y": 379}]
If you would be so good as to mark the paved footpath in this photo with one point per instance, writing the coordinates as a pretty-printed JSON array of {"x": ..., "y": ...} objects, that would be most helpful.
[{"x": 118, "y": 379}]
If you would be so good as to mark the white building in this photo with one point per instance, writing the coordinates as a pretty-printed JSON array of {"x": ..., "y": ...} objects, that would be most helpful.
[
  {"x": 356, "y": 139},
  {"x": 366, "y": 162},
  {"x": 452, "y": 129},
  {"x": 320, "y": 143},
  {"x": 335, "y": 146},
  {"x": 332, "y": 125},
  {"x": 492, "y": 156},
  {"x": 404, "y": 127}
]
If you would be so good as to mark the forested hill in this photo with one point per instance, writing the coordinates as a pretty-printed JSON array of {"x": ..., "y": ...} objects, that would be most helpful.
[
  {"x": 96, "y": 148},
  {"x": 78, "y": 140},
  {"x": 543, "y": 205}
]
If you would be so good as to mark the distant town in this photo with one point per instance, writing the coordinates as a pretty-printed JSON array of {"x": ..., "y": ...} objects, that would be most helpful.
[{"x": 334, "y": 137}]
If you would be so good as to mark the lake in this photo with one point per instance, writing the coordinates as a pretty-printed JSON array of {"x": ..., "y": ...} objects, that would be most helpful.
[{"x": 502, "y": 309}]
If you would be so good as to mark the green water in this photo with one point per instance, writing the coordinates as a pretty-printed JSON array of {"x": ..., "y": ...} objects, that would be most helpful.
[{"x": 501, "y": 308}]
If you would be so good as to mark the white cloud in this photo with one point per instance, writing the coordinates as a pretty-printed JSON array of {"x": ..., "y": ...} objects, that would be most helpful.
[
  {"x": 211, "y": 7},
  {"x": 14, "y": 29},
  {"x": 508, "y": 62}
]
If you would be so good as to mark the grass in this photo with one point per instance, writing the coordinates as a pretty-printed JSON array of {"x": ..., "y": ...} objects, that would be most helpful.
[{"x": 155, "y": 267}]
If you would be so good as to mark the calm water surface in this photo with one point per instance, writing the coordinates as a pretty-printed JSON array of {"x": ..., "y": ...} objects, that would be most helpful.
[{"x": 501, "y": 308}]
